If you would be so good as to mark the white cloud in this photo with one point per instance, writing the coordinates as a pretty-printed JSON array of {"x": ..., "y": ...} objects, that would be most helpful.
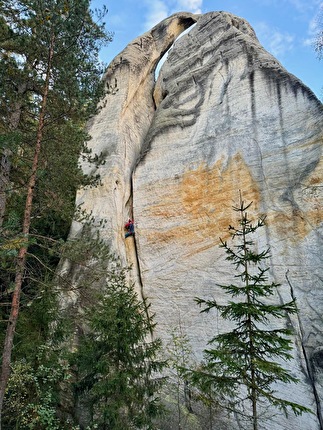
[
  {"x": 304, "y": 6},
  {"x": 116, "y": 20},
  {"x": 156, "y": 12},
  {"x": 276, "y": 42},
  {"x": 194, "y": 6},
  {"x": 280, "y": 43},
  {"x": 314, "y": 27},
  {"x": 300, "y": 5}
]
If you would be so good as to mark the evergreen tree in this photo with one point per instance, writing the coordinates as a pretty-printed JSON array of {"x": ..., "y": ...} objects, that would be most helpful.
[
  {"x": 75, "y": 88},
  {"x": 38, "y": 394},
  {"x": 53, "y": 86},
  {"x": 116, "y": 364},
  {"x": 179, "y": 357},
  {"x": 242, "y": 361}
]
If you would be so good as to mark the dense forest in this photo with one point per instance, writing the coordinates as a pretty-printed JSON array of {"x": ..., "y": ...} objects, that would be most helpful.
[{"x": 98, "y": 369}]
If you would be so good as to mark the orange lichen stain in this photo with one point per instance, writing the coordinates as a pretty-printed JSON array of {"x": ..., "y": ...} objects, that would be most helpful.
[
  {"x": 315, "y": 180},
  {"x": 283, "y": 223},
  {"x": 297, "y": 220},
  {"x": 208, "y": 195},
  {"x": 294, "y": 225},
  {"x": 201, "y": 202}
]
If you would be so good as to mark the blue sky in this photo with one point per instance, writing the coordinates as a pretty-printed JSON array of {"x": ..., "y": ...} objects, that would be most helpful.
[{"x": 286, "y": 28}]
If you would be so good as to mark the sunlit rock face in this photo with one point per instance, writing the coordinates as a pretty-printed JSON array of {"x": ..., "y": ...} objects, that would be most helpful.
[{"x": 223, "y": 118}]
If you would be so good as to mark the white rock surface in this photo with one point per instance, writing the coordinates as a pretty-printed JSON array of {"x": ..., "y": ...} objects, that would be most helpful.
[
  {"x": 118, "y": 132},
  {"x": 223, "y": 116}
]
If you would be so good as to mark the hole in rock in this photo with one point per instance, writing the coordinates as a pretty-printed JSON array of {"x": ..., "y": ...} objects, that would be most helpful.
[{"x": 164, "y": 57}]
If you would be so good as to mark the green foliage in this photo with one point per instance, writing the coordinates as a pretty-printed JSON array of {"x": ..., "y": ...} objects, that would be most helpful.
[
  {"x": 179, "y": 351},
  {"x": 26, "y": 28},
  {"x": 33, "y": 391},
  {"x": 39, "y": 366},
  {"x": 75, "y": 89},
  {"x": 48, "y": 52},
  {"x": 242, "y": 361},
  {"x": 178, "y": 399},
  {"x": 117, "y": 366}
]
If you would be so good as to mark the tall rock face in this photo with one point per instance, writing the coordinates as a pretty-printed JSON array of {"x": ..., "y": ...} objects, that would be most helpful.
[{"x": 223, "y": 116}]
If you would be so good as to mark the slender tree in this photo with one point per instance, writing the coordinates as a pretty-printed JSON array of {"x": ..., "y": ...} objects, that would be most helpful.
[
  {"x": 242, "y": 361},
  {"x": 53, "y": 51},
  {"x": 179, "y": 357},
  {"x": 21, "y": 260},
  {"x": 117, "y": 365}
]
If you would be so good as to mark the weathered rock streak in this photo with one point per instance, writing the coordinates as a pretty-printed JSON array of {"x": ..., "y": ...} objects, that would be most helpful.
[{"x": 223, "y": 116}]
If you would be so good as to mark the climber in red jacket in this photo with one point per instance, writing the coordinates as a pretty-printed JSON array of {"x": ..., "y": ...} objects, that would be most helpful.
[{"x": 130, "y": 227}]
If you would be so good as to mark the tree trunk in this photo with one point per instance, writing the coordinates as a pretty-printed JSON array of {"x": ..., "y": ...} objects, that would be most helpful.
[
  {"x": 252, "y": 386},
  {"x": 21, "y": 260},
  {"x": 5, "y": 165},
  {"x": 4, "y": 180}
]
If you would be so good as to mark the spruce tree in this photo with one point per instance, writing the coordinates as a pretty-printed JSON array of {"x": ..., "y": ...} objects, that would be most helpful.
[
  {"x": 116, "y": 364},
  {"x": 246, "y": 360}
]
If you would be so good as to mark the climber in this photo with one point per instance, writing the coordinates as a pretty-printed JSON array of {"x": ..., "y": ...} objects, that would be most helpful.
[{"x": 130, "y": 227}]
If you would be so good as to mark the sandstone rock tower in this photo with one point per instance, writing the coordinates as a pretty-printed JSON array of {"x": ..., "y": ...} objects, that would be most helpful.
[{"x": 222, "y": 116}]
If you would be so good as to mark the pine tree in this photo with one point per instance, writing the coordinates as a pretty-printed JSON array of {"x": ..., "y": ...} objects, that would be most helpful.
[
  {"x": 25, "y": 27},
  {"x": 242, "y": 361},
  {"x": 117, "y": 366},
  {"x": 52, "y": 49}
]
